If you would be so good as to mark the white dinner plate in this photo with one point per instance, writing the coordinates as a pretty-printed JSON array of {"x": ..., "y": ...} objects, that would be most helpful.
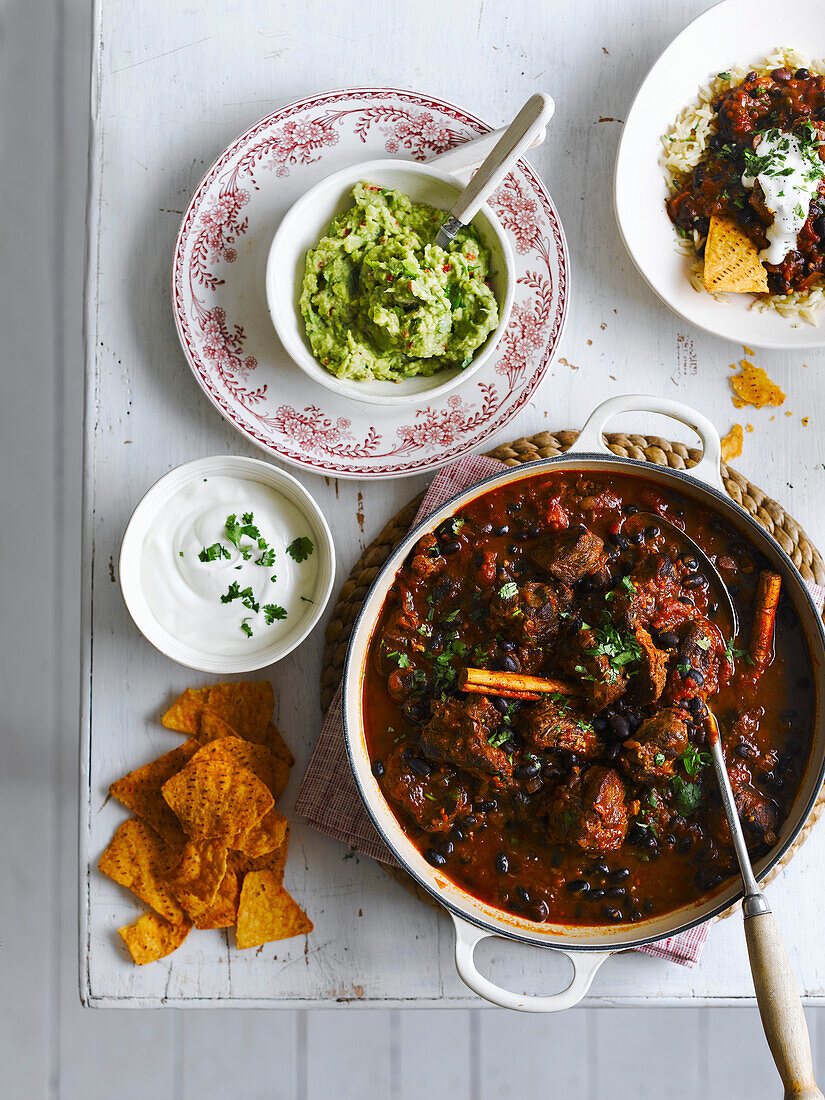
[
  {"x": 219, "y": 298},
  {"x": 731, "y": 32}
]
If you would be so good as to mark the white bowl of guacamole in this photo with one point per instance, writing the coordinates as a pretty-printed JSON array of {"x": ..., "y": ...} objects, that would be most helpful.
[{"x": 367, "y": 304}]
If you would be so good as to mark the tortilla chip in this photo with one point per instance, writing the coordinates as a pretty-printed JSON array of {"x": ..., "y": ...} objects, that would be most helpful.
[
  {"x": 264, "y": 837},
  {"x": 732, "y": 443},
  {"x": 217, "y": 799},
  {"x": 138, "y": 858},
  {"x": 246, "y": 706},
  {"x": 232, "y": 750},
  {"x": 267, "y": 912},
  {"x": 224, "y": 909},
  {"x": 732, "y": 261},
  {"x": 278, "y": 746},
  {"x": 151, "y": 937},
  {"x": 140, "y": 790},
  {"x": 753, "y": 387},
  {"x": 195, "y": 880},
  {"x": 184, "y": 715},
  {"x": 214, "y": 728},
  {"x": 274, "y": 861}
]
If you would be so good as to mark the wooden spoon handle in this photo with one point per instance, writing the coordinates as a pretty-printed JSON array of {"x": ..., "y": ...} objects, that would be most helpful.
[{"x": 780, "y": 1008}]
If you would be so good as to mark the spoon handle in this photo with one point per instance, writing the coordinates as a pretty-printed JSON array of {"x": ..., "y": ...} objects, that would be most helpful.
[
  {"x": 780, "y": 1006},
  {"x": 519, "y": 135}
]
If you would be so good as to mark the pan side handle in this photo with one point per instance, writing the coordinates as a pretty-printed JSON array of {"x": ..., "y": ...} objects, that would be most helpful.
[
  {"x": 468, "y": 937},
  {"x": 706, "y": 470}
]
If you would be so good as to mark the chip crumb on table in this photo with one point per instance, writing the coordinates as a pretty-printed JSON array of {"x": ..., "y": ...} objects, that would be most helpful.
[
  {"x": 207, "y": 847},
  {"x": 752, "y": 386}
]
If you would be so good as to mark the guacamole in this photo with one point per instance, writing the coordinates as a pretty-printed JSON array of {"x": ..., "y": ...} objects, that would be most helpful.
[{"x": 381, "y": 301}]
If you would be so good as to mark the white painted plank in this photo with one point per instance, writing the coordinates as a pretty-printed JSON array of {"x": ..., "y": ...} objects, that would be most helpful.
[
  {"x": 523, "y": 1055},
  {"x": 433, "y": 1053},
  {"x": 650, "y": 1048},
  {"x": 348, "y": 1055},
  {"x": 236, "y": 1053}
]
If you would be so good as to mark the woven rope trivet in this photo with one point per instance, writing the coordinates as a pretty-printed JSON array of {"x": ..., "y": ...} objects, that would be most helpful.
[{"x": 771, "y": 515}]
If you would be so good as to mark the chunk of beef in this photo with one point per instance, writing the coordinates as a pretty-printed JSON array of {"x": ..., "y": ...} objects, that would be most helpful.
[
  {"x": 427, "y": 560},
  {"x": 570, "y": 555},
  {"x": 653, "y": 580},
  {"x": 552, "y": 724},
  {"x": 458, "y": 734},
  {"x": 651, "y": 672},
  {"x": 399, "y": 640},
  {"x": 589, "y": 812},
  {"x": 433, "y": 798},
  {"x": 531, "y": 613},
  {"x": 758, "y": 813},
  {"x": 652, "y": 753},
  {"x": 602, "y": 683},
  {"x": 696, "y": 648}
]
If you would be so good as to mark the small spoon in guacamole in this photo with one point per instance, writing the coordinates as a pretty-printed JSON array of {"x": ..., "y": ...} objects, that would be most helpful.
[{"x": 380, "y": 300}]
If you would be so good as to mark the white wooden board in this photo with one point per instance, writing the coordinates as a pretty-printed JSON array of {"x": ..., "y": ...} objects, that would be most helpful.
[{"x": 172, "y": 85}]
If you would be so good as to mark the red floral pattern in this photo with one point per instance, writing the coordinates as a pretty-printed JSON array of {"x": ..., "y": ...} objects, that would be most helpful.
[{"x": 308, "y": 436}]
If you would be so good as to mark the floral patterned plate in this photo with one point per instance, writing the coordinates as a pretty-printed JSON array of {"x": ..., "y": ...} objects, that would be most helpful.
[{"x": 220, "y": 304}]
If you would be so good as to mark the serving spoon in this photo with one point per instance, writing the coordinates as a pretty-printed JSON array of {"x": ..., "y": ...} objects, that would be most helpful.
[
  {"x": 519, "y": 136},
  {"x": 780, "y": 1007}
]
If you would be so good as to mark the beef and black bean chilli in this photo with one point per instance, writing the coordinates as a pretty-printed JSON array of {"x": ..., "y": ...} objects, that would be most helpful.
[{"x": 534, "y": 699}]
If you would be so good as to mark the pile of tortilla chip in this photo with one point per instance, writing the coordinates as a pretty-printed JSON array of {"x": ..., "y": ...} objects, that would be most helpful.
[
  {"x": 207, "y": 848},
  {"x": 732, "y": 261}
]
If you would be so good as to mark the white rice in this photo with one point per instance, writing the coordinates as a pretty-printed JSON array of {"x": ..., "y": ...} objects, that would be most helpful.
[{"x": 682, "y": 149}]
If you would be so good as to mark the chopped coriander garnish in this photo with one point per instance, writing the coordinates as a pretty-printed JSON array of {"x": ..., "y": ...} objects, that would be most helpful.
[
  {"x": 688, "y": 795},
  {"x": 266, "y": 559},
  {"x": 272, "y": 613},
  {"x": 694, "y": 760},
  {"x": 507, "y": 591},
  {"x": 246, "y": 628},
  {"x": 213, "y": 553},
  {"x": 300, "y": 548}
]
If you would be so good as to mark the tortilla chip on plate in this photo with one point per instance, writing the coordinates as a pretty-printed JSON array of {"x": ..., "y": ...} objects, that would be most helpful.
[
  {"x": 184, "y": 715},
  {"x": 217, "y": 799},
  {"x": 267, "y": 912},
  {"x": 732, "y": 261},
  {"x": 138, "y": 858},
  {"x": 197, "y": 876},
  {"x": 140, "y": 790},
  {"x": 151, "y": 937}
]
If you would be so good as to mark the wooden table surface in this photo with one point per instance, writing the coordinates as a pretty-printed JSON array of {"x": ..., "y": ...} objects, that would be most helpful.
[{"x": 172, "y": 85}]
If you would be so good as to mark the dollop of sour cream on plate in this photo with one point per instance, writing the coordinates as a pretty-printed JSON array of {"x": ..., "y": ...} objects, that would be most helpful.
[
  {"x": 210, "y": 604},
  {"x": 789, "y": 172}
]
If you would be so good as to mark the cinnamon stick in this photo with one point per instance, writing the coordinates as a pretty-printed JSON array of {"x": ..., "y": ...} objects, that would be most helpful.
[
  {"x": 482, "y": 681},
  {"x": 767, "y": 599},
  {"x": 503, "y": 693}
]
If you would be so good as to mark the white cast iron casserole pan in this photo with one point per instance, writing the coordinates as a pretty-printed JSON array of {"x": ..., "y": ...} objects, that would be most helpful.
[{"x": 586, "y": 946}]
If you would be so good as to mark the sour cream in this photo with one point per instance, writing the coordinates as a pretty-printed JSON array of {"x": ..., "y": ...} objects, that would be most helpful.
[
  {"x": 789, "y": 174},
  {"x": 184, "y": 593}
]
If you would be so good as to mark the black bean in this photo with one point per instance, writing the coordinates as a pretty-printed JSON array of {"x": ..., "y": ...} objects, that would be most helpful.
[
  {"x": 694, "y": 580},
  {"x": 458, "y": 834},
  {"x": 527, "y": 771},
  {"x": 647, "y": 905},
  {"x": 613, "y": 750},
  {"x": 619, "y": 727},
  {"x": 733, "y": 589},
  {"x": 600, "y": 724},
  {"x": 501, "y": 704},
  {"x": 706, "y": 854},
  {"x": 578, "y": 886},
  {"x": 670, "y": 840},
  {"x": 781, "y": 76},
  {"x": 378, "y": 768},
  {"x": 611, "y": 913},
  {"x": 713, "y": 609},
  {"x": 706, "y": 880},
  {"x": 620, "y": 541},
  {"x": 637, "y": 539},
  {"x": 447, "y": 847},
  {"x": 802, "y": 74},
  {"x": 695, "y": 706},
  {"x": 485, "y": 529},
  {"x": 513, "y": 506},
  {"x": 630, "y": 509},
  {"x": 597, "y": 894},
  {"x": 532, "y": 531},
  {"x": 478, "y": 559},
  {"x": 684, "y": 670},
  {"x": 509, "y": 663},
  {"x": 615, "y": 892},
  {"x": 420, "y": 767},
  {"x": 502, "y": 863},
  {"x": 743, "y": 750},
  {"x": 619, "y": 875},
  {"x": 695, "y": 675},
  {"x": 687, "y": 559},
  {"x": 435, "y": 858},
  {"x": 652, "y": 532},
  {"x": 637, "y": 915},
  {"x": 488, "y": 807},
  {"x": 667, "y": 639},
  {"x": 503, "y": 530},
  {"x": 469, "y": 821},
  {"x": 684, "y": 843},
  {"x": 523, "y": 895},
  {"x": 539, "y": 910}
]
